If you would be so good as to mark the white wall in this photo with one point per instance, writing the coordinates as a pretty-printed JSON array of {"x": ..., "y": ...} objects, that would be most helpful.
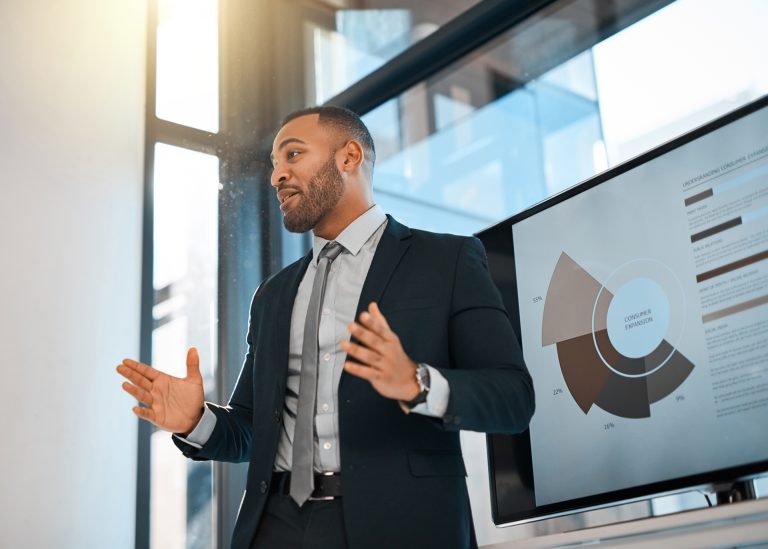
[{"x": 71, "y": 156}]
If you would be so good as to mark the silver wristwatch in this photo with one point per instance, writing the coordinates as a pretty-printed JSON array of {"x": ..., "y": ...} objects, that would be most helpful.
[{"x": 422, "y": 378}]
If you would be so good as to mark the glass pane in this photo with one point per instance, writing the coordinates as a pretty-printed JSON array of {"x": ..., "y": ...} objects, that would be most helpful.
[
  {"x": 663, "y": 77},
  {"x": 186, "y": 185},
  {"x": 187, "y": 63},
  {"x": 355, "y": 42},
  {"x": 168, "y": 485},
  {"x": 464, "y": 166},
  {"x": 535, "y": 112}
]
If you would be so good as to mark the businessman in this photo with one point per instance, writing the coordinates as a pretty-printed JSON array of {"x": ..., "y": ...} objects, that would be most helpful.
[{"x": 365, "y": 358}]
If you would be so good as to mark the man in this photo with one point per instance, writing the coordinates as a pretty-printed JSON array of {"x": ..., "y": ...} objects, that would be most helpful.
[{"x": 365, "y": 359}]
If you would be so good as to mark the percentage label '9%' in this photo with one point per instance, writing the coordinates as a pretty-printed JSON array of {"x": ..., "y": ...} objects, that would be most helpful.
[{"x": 608, "y": 426}]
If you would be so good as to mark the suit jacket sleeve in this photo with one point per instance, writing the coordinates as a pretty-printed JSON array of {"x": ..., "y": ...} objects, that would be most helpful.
[
  {"x": 232, "y": 436},
  {"x": 490, "y": 388}
]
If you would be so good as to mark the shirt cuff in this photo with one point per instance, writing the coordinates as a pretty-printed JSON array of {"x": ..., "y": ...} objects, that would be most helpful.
[
  {"x": 437, "y": 397},
  {"x": 202, "y": 431}
]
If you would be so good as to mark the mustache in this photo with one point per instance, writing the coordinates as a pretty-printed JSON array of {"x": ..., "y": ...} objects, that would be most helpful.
[{"x": 288, "y": 186}]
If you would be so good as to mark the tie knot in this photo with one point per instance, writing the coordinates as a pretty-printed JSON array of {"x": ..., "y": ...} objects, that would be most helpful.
[{"x": 331, "y": 251}]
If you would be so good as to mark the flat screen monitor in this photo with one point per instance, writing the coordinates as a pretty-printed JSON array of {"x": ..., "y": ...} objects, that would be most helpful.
[{"x": 640, "y": 297}]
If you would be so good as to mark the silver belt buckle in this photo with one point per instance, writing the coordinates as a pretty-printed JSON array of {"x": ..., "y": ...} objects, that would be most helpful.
[{"x": 325, "y": 498}]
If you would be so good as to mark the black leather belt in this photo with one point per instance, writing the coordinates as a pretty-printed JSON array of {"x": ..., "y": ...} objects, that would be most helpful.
[{"x": 327, "y": 485}]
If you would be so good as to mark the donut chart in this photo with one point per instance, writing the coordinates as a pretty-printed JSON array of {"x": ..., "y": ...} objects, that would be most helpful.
[{"x": 616, "y": 341}]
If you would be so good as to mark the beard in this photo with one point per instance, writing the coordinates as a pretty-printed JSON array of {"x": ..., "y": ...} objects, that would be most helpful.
[{"x": 323, "y": 193}]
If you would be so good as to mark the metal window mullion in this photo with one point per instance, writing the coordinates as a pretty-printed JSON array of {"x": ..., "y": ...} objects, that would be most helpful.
[
  {"x": 457, "y": 38},
  {"x": 143, "y": 463}
]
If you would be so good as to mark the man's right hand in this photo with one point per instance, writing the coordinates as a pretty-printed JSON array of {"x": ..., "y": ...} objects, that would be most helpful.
[{"x": 172, "y": 403}]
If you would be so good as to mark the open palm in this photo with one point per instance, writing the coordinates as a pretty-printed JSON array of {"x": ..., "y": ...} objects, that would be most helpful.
[{"x": 172, "y": 403}]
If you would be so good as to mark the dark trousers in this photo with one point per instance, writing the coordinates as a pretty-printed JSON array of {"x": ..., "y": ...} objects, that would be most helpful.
[{"x": 316, "y": 525}]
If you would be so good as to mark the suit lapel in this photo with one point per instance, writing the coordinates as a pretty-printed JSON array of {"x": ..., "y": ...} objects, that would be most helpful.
[
  {"x": 392, "y": 246},
  {"x": 286, "y": 298},
  {"x": 391, "y": 249}
]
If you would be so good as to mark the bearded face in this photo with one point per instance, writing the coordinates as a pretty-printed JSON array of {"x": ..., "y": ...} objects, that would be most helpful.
[{"x": 303, "y": 210}]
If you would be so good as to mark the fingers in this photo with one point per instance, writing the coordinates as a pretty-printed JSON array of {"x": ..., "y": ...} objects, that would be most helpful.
[
  {"x": 363, "y": 372},
  {"x": 363, "y": 354},
  {"x": 372, "y": 329},
  {"x": 134, "y": 377},
  {"x": 193, "y": 364},
  {"x": 145, "y": 397},
  {"x": 144, "y": 413},
  {"x": 142, "y": 369},
  {"x": 364, "y": 335},
  {"x": 374, "y": 320},
  {"x": 377, "y": 342}
]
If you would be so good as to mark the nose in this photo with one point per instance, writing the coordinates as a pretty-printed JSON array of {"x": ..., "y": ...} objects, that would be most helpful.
[{"x": 279, "y": 176}]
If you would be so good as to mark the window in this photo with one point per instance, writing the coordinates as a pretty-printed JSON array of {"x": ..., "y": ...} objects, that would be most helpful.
[
  {"x": 345, "y": 44},
  {"x": 187, "y": 63},
  {"x": 506, "y": 127},
  {"x": 186, "y": 185},
  {"x": 176, "y": 508}
]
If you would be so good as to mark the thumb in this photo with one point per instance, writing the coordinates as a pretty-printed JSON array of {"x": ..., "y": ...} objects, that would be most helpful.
[{"x": 193, "y": 364}]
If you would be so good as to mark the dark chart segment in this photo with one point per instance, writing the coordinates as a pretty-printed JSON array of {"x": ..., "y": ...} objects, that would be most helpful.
[{"x": 613, "y": 348}]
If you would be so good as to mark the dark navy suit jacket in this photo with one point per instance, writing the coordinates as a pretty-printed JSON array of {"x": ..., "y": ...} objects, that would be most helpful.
[{"x": 403, "y": 476}]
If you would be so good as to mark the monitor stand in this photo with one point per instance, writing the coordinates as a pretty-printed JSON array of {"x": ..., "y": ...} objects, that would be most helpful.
[{"x": 733, "y": 492}]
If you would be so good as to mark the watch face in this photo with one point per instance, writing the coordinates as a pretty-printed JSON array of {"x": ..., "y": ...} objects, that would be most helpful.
[{"x": 422, "y": 377}]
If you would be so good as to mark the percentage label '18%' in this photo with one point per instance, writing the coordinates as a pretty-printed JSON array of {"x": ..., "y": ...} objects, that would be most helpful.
[{"x": 537, "y": 299}]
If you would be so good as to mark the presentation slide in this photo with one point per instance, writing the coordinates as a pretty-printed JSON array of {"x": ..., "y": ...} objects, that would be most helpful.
[{"x": 644, "y": 319}]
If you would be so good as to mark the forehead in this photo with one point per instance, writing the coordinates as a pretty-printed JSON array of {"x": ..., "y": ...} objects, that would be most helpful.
[{"x": 306, "y": 129}]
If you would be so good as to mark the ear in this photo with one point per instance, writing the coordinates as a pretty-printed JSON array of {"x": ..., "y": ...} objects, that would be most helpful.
[{"x": 351, "y": 156}]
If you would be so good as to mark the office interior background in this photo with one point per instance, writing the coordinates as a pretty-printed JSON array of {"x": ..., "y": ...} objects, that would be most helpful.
[{"x": 137, "y": 219}]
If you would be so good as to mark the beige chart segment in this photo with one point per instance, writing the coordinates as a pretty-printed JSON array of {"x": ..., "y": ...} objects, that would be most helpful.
[{"x": 630, "y": 385}]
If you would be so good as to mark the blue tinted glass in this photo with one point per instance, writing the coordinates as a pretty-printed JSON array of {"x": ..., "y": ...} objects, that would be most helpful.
[{"x": 494, "y": 134}]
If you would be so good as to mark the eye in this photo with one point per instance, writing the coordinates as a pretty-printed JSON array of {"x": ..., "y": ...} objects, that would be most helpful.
[{"x": 290, "y": 155}]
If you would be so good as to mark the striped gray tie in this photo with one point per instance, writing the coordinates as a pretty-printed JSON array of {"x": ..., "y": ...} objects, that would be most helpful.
[{"x": 302, "y": 474}]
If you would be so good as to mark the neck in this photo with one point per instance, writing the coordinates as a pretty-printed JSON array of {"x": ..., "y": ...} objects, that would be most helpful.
[{"x": 340, "y": 218}]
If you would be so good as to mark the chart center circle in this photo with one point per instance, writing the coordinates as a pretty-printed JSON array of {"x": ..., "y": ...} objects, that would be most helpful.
[{"x": 638, "y": 317}]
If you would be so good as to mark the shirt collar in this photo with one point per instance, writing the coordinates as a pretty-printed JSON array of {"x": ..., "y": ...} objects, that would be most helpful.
[{"x": 355, "y": 235}]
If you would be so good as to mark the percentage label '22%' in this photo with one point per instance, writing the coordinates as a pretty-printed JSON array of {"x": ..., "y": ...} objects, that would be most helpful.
[{"x": 557, "y": 391}]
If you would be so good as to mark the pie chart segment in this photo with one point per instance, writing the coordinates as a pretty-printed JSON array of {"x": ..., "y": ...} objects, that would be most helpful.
[
  {"x": 613, "y": 347},
  {"x": 625, "y": 397},
  {"x": 569, "y": 303},
  {"x": 622, "y": 364},
  {"x": 663, "y": 381},
  {"x": 583, "y": 371}
]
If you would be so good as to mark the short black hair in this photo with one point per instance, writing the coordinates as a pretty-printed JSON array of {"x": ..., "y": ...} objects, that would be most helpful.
[{"x": 342, "y": 119}]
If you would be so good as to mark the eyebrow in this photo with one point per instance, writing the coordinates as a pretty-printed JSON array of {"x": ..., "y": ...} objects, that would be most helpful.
[
  {"x": 288, "y": 141},
  {"x": 284, "y": 143}
]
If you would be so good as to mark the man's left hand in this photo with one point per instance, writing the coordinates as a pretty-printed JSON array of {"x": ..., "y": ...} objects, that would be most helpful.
[{"x": 382, "y": 360}]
